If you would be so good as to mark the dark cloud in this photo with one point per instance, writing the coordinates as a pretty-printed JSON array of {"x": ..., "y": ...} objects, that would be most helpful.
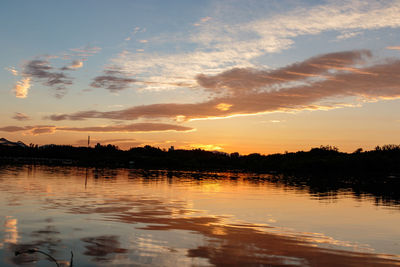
[
  {"x": 33, "y": 130},
  {"x": 21, "y": 116},
  {"x": 42, "y": 130},
  {"x": 59, "y": 117},
  {"x": 135, "y": 127},
  {"x": 239, "y": 80},
  {"x": 337, "y": 75},
  {"x": 13, "y": 129},
  {"x": 42, "y": 71},
  {"x": 113, "y": 81}
]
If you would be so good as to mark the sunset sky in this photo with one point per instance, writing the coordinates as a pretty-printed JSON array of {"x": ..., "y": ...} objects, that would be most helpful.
[{"x": 245, "y": 76}]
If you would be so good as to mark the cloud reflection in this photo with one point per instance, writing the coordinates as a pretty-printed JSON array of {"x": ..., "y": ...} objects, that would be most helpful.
[
  {"x": 229, "y": 244},
  {"x": 11, "y": 230},
  {"x": 101, "y": 247}
]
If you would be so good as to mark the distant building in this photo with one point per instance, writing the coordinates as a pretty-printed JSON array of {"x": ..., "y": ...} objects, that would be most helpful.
[{"x": 171, "y": 149}]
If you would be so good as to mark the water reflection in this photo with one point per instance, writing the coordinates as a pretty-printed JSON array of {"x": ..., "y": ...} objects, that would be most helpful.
[
  {"x": 101, "y": 247},
  {"x": 11, "y": 230},
  {"x": 46, "y": 239},
  {"x": 162, "y": 218},
  {"x": 240, "y": 245}
]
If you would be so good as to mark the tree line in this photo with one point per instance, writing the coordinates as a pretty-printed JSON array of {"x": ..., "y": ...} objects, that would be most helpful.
[{"x": 323, "y": 159}]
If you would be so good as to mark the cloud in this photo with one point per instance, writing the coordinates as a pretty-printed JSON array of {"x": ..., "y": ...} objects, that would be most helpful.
[
  {"x": 347, "y": 35},
  {"x": 21, "y": 116},
  {"x": 31, "y": 130},
  {"x": 337, "y": 16},
  {"x": 223, "y": 106},
  {"x": 87, "y": 49},
  {"x": 205, "y": 19},
  {"x": 202, "y": 20},
  {"x": 305, "y": 85},
  {"x": 82, "y": 52},
  {"x": 42, "y": 130},
  {"x": 130, "y": 128},
  {"x": 42, "y": 71},
  {"x": 170, "y": 71},
  {"x": 134, "y": 32},
  {"x": 13, "y": 128},
  {"x": 76, "y": 64},
  {"x": 113, "y": 80},
  {"x": 12, "y": 70},
  {"x": 393, "y": 47},
  {"x": 21, "y": 87},
  {"x": 241, "y": 80},
  {"x": 135, "y": 127},
  {"x": 223, "y": 45}
]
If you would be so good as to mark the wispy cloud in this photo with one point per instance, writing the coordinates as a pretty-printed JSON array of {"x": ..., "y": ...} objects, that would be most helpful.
[
  {"x": 86, "y": 50},
  {"x": 341, "y": 16},
  {"x": 75, "y": 64},
  {"x": 205, "y": 19},
  {"x": 305, "y": 85},
  {"x": 347, "y": 35},
  {"x": 221, "y": 46},
  {"x": 130, "y": 128},
  {"x": 202, "y": 21},
  {"x": 21, "y": 116},
  {"x": 12, "y": 70},
  {"x": 134, "y": 32}
]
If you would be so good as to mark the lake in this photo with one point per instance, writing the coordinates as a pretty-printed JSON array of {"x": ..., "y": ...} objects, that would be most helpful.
[{"x": 128, "y": 217}]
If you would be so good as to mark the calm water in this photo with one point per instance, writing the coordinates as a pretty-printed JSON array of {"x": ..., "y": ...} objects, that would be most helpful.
[{"x": 159, "y": 218}]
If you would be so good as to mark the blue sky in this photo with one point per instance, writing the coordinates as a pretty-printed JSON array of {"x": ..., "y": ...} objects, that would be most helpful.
[{"x": 161, "y": 72}]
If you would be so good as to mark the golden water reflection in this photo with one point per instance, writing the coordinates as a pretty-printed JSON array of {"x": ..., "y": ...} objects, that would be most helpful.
[{"x": 160, "y": 218}]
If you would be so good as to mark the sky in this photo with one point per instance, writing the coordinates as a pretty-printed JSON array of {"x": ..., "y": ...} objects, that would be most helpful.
[{"x": 231, "y": 76}]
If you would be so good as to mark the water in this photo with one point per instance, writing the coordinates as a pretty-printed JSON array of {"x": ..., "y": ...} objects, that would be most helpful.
[{"x": 160, "y": 218}]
